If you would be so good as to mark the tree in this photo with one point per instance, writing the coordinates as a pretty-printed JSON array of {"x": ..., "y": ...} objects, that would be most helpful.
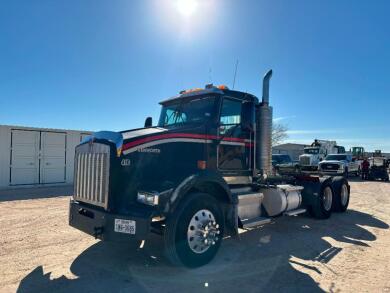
[{"x": 279, "y": 133}]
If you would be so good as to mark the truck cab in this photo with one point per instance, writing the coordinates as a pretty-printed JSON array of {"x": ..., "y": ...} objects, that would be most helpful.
[
  {"x": 311, "y": 157},
  {"x": 201, "y": 173},
  {"x": 317, "y": 152}
]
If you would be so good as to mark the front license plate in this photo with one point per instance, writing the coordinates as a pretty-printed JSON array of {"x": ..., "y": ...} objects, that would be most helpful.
[{"x": 124, "y": 226}]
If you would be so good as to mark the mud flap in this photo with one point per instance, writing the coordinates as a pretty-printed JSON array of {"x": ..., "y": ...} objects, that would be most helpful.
[{"x": 232, "y": 221}]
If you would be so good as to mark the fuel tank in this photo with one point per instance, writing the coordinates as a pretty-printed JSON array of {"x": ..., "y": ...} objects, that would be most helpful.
[{"x": 281, "y": 198}]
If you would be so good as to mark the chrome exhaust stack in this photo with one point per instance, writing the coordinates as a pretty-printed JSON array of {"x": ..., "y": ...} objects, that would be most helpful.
[{"x": 264, "y": 131}]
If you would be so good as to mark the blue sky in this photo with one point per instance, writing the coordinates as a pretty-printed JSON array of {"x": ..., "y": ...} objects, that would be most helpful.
[{"x": 105, "y": 64}]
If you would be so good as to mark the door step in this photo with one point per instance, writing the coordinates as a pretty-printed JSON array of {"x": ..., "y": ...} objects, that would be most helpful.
[
  {"x": 295, "y": 212},
  {"x": 250, "y": 223}
]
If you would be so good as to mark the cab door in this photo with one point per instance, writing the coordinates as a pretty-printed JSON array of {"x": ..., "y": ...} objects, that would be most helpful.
[{"x": 235, "y": 141}]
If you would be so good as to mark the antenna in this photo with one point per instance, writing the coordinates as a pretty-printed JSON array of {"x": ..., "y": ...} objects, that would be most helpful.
[
  {"x": 235, "y": 74},
  {"x": 210, "y": 75}
]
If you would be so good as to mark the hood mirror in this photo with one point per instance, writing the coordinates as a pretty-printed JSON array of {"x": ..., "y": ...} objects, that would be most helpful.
[{"x": 148, "y": 122}]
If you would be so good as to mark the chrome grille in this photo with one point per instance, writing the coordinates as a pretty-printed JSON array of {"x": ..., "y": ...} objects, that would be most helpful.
[
  {"x": 328, "y": 166},
  {"x": 304, "y": 161},
  {"x": 92, "y": 163}
]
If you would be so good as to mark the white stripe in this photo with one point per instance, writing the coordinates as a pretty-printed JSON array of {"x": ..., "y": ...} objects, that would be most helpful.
[
  {"x": 169, "y": 140},
  {"x": 233, "y": 143},
  {"x": 163, "y": 141}
]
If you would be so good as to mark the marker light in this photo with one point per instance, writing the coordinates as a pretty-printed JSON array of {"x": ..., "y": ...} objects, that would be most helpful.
[
  {"x": 191, "y": 91},
  {"x": 222, "y": 87}
]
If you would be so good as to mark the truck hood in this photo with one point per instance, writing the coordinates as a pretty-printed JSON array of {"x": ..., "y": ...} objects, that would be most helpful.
[
  {"x": 332, "y": 162},
  {"x": 308, "y": 155},
  {"x": 145, "y": 138},
  {"x": 120, "y": 139}
]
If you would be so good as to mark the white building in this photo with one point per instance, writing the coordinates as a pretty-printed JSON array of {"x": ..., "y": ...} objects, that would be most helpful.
[{"x": 37, "y": 156}]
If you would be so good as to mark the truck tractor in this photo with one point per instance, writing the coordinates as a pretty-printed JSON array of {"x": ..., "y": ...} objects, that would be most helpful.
[
  {"x": 318, "y": 150},
  {"x": 200, "y": 175}
]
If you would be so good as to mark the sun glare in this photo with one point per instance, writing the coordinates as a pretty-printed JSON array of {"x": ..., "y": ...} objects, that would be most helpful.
[{"x": 187, "y": 7}]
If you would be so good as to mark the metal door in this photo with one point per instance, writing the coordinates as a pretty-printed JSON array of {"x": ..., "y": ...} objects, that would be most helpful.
[
  {"x": 24, "y": 165},
  {"x": 53, "y": 157},
  {"x": 233, "y": 150}
]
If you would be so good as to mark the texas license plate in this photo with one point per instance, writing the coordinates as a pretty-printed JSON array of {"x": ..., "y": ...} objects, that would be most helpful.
[{"x": 124, "y": 226}]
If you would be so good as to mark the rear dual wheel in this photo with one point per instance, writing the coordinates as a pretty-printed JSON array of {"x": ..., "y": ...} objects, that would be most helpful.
[
  {"x": 341, "y": 195},
  {"x": 194, "y": 231},
  {"x": 322, "y": 208}
]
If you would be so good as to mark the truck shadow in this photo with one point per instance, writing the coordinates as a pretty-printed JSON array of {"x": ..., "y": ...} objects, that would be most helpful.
[{"x": 282, "y": 256}]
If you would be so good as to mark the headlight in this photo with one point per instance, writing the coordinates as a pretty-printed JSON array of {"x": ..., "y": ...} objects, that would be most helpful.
[{"x": 147, "y": 198}]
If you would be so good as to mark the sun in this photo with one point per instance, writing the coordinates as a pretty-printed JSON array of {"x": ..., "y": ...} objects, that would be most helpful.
[{"x": 187, "y": 7}]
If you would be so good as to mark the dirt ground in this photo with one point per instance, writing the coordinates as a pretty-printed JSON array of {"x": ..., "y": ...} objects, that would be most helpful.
[{"x": 349, "y": 252}]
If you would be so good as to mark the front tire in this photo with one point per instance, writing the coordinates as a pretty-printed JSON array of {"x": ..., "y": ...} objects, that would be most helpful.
[{"x": 194, "y": 231}]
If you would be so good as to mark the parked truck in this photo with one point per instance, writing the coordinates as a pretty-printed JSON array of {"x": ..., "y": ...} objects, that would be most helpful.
[
  {"x": 317, "y": 152},
  {"x": 340, "y": 164},
  {"x": 358, "y": 153},
  {"x": 201, "y": 174}
]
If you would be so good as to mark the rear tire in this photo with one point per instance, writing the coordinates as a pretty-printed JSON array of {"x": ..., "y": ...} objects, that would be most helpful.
[
  {"x": 322, "y": 209},
  {"x": 341, "y": 195},
  {"x": 183, "y": 239},
  {"x": 346, "y": 173}
]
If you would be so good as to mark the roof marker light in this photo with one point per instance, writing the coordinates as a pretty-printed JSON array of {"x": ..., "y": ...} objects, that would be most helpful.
[{"x": 222, "y": 87}]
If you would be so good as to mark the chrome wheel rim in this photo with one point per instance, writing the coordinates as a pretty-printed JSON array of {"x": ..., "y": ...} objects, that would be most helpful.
[
  {"x": 203, "y": 231},
  {"x": 327, "y": 198},
  {"x": 344, "y": 194}
]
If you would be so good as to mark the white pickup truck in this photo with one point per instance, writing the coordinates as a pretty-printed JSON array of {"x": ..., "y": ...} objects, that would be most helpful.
[{"x": 339, "y": 164}]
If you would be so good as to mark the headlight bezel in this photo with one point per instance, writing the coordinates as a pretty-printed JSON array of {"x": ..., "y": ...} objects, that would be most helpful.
[{"x": 148, "y": 198}]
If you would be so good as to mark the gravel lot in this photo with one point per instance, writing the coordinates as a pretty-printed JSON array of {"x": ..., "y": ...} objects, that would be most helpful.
[{"x": 350, "y": 252}]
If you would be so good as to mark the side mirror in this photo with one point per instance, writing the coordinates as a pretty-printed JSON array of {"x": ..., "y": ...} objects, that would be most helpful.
[
  {"x": 248, "y": 116},
  {"x": 148, "y": 122}
]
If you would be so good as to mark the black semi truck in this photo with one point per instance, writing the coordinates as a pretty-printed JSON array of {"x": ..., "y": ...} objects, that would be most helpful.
[{"x": 198, "y": 176}]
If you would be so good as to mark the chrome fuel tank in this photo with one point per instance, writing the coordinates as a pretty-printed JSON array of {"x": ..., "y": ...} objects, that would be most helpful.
[{"x": 281, "y": 199}]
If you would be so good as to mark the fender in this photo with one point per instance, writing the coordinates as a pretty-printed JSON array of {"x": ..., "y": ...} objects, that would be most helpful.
[
  {"x": 198, "y": 179},
  {"x": 312, "y": 188}
]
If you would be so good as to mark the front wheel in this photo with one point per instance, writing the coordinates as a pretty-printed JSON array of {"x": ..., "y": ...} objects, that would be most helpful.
[{"x": 194, "y": 231}]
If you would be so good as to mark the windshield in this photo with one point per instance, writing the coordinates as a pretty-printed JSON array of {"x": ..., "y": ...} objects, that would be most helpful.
[
  {"x": 312, "y": 151},
  {"x": 181, "y": 113},
  {"x": 336, "y": 157},
  {"x": 281, "y": 159}
]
